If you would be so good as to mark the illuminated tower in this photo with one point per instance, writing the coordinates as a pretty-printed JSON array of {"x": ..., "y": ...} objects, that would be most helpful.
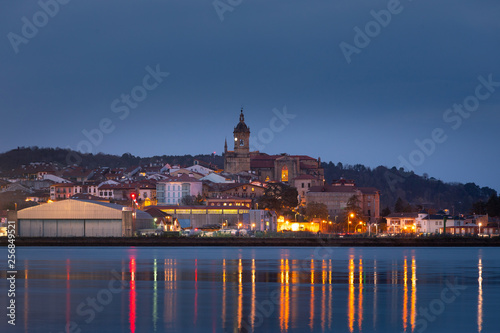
[{"x": 239, "y": 159}]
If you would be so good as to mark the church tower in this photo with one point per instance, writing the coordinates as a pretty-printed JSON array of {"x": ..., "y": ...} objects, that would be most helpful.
[{"x": 239, "y": 159}]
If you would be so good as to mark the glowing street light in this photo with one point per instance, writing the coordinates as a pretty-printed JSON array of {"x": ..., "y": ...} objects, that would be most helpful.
[{"x": 348, "y": 220}]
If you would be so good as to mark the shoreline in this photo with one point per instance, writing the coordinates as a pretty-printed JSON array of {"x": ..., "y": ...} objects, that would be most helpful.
[{"x": 443, "y": 241}]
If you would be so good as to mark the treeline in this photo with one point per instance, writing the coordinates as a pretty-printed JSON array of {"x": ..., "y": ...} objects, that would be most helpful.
[
  {"x": 63, "y": 157},
  {"x": 416, "y": 191}
]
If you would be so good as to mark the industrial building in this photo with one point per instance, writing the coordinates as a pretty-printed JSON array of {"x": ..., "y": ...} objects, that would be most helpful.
[{"x": 81, "y": 218}]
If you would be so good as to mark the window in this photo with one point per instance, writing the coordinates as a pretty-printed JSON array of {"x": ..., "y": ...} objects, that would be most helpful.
[
  {"x": 308, "y": 185},
  {"x": 284, "y": 174},
  {"x": 303, "y": 185}
]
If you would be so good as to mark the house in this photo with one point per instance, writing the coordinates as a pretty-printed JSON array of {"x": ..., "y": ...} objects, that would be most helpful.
[
  {"x": 171, "y": 190},
  {"x": 242, "y": 190},
  {"x": 61, "y": 191},
  {"x": 337, "y": 195},
  {"x": 398, "y": 223}
]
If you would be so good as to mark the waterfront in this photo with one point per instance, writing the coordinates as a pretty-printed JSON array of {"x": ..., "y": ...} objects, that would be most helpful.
[{"x": 261, "y": 289}]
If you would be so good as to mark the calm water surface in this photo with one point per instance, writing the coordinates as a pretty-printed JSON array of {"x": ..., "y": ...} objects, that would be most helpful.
[{"x": 223, "y": 289}]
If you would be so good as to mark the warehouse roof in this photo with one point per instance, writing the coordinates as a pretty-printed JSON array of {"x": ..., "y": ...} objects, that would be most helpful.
[{"x": 77, "y": 209}]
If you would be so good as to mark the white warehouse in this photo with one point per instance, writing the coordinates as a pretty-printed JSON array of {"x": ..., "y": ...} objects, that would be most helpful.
[{"x": 81, "y": 218}]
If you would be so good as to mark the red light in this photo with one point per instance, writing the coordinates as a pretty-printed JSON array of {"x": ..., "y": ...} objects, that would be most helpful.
[{"x": 132, "y": 196}]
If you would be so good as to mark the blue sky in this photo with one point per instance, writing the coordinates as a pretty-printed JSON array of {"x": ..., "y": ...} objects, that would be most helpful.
[{"x": 269, "y": 55}]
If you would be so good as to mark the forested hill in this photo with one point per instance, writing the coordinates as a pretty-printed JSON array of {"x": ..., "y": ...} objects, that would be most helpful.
[
  {"x": 415, "y": 190},
  {"x": 393, "y": 184},
  {"x": 63, "y": 157}
]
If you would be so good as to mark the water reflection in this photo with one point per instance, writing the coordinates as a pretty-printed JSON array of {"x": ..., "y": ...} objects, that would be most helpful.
[
  {"x": 254, "y": 294},
  {"x": 480, "y": 296},
  {"x": 132, "y": 296}
]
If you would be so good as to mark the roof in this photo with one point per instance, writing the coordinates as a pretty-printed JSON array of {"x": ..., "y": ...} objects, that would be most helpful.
[
  {"x": 77, "y": 209},
  {"x": 155, "y": 212},
  {"x": 330, "y": 188},
  {"x": 242, "y": 127},
  {"x": 181, "y": 178},
  {"x": 368, "y": 190},
  {"x": 402, "y": 215},
  {"x": 85, "y": 196}
]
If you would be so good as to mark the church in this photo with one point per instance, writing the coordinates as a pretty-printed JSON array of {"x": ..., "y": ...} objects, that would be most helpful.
[{"x": 285, "y": 168}]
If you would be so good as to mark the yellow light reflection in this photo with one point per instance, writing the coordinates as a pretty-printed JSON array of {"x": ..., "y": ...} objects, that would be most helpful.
[
  {"x": 330, "y": 295},
  {"x": 351, "y": 298},
  {"x": 240, "y": 293},
  {"x": 253, "y": 295},
  {"x": 311, "y": 305},
  {"x": 480, "y": 297},
  {"x": 405, "y": 295},
  {"x": 360, "y": 297},
  {"x": 285, "y": 295},
  {"x": 170, "y": 294},
  {"x": 413, "y": 313}
]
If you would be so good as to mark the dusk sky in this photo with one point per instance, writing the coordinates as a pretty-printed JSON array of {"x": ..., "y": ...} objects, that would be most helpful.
[{"x": 360, "y": 81}]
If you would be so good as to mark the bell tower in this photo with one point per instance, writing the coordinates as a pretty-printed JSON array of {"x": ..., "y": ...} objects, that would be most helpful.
[
  {"x": 239, "y": 159},
  {"x": 241, "y": 135}
]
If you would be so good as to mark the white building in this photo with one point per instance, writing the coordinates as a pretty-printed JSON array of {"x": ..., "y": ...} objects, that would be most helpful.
[{"x": 171, "y": 190}]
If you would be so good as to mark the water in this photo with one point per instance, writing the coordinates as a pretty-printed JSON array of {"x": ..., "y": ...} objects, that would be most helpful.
[{"x": 222, "y": 289}]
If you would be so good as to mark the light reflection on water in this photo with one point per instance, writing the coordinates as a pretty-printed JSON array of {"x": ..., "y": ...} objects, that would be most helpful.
[{"x": 262, "y": 289}]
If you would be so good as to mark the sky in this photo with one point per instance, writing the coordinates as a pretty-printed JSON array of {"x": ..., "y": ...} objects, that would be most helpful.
[{"x": 413, "y": 84}]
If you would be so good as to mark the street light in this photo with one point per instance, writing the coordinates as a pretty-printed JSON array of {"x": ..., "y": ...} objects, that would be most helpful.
[
  {"x": 480, "y": 224},
  {"x": 348, "y": 220}
]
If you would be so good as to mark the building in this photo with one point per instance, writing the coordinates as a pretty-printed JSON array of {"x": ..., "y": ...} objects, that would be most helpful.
[
  {"x": 284, "y": 168},
  {"x": 238, "y": 160},
  {"x": 337, "y": 195},
  {"x": 192, "y": 217},
  {"x": 61, "y": 191},
  {"x": 398, "y": 223},
  {"x": 262, "y": 220},
  {"x": 81, "y": 218},
  {"x": 229, "y": 201},
  {"x": 423, "y": 222},
  {"x": 171, "y": 190}
]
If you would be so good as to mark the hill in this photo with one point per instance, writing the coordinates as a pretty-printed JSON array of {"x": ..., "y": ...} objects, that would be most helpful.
[{"x": 417, "y": 191}]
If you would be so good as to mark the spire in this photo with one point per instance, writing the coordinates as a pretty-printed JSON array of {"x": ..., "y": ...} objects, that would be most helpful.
[
  {"x": 242, "y": 116},
  {"x": 225, "y": 145}
]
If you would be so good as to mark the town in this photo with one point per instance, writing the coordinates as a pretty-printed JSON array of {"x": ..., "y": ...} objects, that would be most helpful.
[{"x": 253, "y": 194}]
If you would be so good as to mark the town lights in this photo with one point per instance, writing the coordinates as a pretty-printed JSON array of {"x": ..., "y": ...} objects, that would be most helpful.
[{"x": 349, "y": 221}]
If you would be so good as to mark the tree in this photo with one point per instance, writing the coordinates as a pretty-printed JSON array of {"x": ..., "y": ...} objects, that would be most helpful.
[
  {"x": 493, "y": 206},
  {"x": 279, "y": 197},
  {"x": 478, "y": 208},
  {"x": 192, "y": 200},
  {"x": 385, "y": 212},
  {"x": 354, "y": 206},
  {"x": 402, "y": 207},
  {"x": 316, "y": 210}
]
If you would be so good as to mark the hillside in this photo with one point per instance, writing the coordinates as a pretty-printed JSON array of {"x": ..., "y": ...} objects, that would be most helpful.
[
  {"x": 414, "y": 189},
  {"x": 63, "y": 157}
]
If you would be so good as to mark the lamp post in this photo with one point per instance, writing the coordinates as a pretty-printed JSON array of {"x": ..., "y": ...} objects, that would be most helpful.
[{"x": 349, "y": 221}]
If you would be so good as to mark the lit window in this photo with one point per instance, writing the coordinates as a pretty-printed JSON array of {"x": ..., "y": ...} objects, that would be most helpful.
[{"x": 284, "y": 174}]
